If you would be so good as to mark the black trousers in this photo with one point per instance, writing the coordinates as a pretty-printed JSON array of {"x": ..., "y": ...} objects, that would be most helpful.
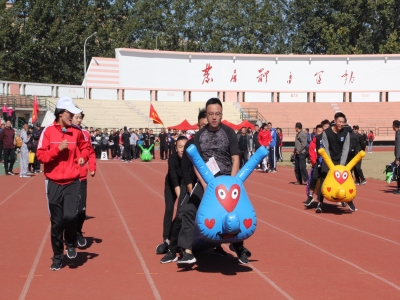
[
  {"x": 170, "y": 148},
  {"x": 127, "y": 152},
  {"x": 152, "y": 151},
  {"x": 163, "y": 150},
  {"x": 300, "y": 168},
  {"x": 133, "y": 151},
  {"x": 358, "y": 172},
  {"x": 279, "y": 153},
  {"x": 9, "y": 157},
  {"x": 36, "y": 162},
  {"x": 117, "y": 150},
  {"x": 398, "y": 178},
  {"x": 186, "y": 235},
  {"x": 176, "y": 225},
  {"x": 138, "y": 151},
  {"x": 5, "y": 117},
  {"x": 82, "y": 206},
  {"x": 1, "y": 151},
  {"x": 272, "y": 158},
  {"x": 170, "y": 198},
  {"x": 97, "y": 150},
  {"x": 63, "y": 208},
  {"x": 315, "y": 175},
  {"x": 243, "y": 154}
]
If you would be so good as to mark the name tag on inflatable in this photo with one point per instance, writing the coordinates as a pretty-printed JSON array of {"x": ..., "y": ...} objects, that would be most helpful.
[{"x": 213, "y": 166}]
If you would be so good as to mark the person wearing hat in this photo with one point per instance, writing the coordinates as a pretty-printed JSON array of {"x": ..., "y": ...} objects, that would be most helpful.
[
  {"x": 37, "y": 131},
  {"x": 62, "y": 149}
]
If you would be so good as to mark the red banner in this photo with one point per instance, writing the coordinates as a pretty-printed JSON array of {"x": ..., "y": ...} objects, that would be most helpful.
[
  {"x": 154, "y": 116},
  {"x": 35, "y": 111}
]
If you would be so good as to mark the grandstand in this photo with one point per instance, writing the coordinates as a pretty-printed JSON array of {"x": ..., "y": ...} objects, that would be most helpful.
[
  {"x": 116, "y": 114},
  {"x": 377, "y": 117}
]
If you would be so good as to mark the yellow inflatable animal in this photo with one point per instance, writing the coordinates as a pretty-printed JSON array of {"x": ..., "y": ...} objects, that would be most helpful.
[{"x": 339, "y": 185}]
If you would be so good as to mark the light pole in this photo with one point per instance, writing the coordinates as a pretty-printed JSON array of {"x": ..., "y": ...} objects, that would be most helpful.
[{"x": 84, "y": 62}]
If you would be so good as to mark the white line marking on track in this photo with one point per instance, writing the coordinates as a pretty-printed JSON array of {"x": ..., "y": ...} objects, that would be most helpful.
[
  {"x": 333, "y": 255},
  {"x": 273, "y": 284},
  {"x": 16, "y": 191},
  {"x": 135, "y": 247},
  {"x": 31, "y": 274},
  {"x": 321, "y": 218}
]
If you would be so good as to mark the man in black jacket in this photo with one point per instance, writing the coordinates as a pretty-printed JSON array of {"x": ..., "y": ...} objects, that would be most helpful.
[
  {"x": 37, "y": 131},
  {"x": 256, "y": 143},
  {"x": 360, "y": 145},
  {"x": 127, "y": 145},
  {"x": 396, "y": 128}
]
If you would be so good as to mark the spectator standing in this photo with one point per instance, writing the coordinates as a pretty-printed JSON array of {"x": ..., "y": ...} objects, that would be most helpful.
[
  {"x": 7, "y": 136},
  {"x": 280, "y": 144},
  {"x": 139, "y": 143},
  {"x": 272, "y": 149},
  {"x": 256, "y": 143},
  {"x": 359, "y": 145},
  {"x": 24, "y": 155},
  {"x": 132, "y": 142},
  {"x": 1, "y": 144},
  {"x": 170, "y": 142},
  {"x": 152, "y": 140},
  {"x": 371, "y": 138},
  {"x": 127, "y": 144},
  {"x": 146, "y": 139},
  {"x": 365, "y": 137},
  {"x": 37, "y": 131},
  {"x": 264, "y": 139},
  {"x": 13, "y": 116},
  {"x": 5, "y": 112},
  {"x": 243, "y": 141},
  {"x": 163, "y": 139},
  {"x": 300, "y": 148},
  {"x": 105, "y": 138},
  {"x": 396, "y": 128}
]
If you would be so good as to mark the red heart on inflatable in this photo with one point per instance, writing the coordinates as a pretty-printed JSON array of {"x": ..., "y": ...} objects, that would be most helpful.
[
  {"x": 351, "y": 191},
  {"x": 209, "y": 223},
  {"x": 329, "y": 189},
  {"x": 247, "y": 223},
  {"x": 228, "y": 199}
]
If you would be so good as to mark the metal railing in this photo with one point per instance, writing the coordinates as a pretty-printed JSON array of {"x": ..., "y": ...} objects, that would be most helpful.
[{"x": 251, "y": 114}]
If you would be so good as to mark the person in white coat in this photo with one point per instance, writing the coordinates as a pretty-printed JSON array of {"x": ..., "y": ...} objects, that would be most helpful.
[{"x": 24, "y": 155}]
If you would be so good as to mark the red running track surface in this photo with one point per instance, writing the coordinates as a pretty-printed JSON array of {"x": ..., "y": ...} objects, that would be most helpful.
[{"x": 297, "y": 254}]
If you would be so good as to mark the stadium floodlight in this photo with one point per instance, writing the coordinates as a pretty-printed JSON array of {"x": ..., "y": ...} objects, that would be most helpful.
[{"x": 84, "y": 62}]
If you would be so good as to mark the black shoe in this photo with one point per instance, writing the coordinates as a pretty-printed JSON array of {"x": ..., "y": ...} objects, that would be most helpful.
[
  {"x": 10, "y": 173},
  {"x": 319, "y": 208},
  {"x": 351, "y": 206},
  {"x": 247, "y": 251},
  {"x": 169, "y": 257},
  {"x": 55, "y": 266},
  {"x": 81, "y": 240},
  {"x": 162, "y": 248},
  {"x": 343, "y": 204},
  {"x": 71, "y": 252},
  {"x": 187, "y": 258},
  {"x": 241, "y": 254},
  {"x": 219, "y": 251},
  {"x": 396, "y": 192},
  {"x": 363, "y": 182},
  {"x": 309, "y": 200}
]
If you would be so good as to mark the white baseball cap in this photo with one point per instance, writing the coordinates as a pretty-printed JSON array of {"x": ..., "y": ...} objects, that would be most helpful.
[{"x": 68, "y": 104}]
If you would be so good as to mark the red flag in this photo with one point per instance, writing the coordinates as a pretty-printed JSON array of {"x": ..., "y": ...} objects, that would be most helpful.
[
  {"x": 35, "y": 111},
  {"x": 154, "y": 116}
]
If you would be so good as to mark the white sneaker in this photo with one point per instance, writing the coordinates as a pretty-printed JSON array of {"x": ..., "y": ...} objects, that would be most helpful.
[{"x": 25, "y": 176}]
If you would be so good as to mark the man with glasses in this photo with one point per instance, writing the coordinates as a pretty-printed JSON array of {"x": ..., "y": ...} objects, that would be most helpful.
[{"x": 218, "y": 142}]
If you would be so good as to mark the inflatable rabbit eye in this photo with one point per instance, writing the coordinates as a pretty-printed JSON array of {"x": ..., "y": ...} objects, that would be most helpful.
[
  {"x": 345, "y": 175},
  {"x": 337, "y": 175},
  {"x": 221, "y": 193},
  {"x": 235, "y": 193}
]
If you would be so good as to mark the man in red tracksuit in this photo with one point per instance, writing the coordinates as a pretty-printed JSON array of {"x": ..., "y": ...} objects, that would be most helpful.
[
  {"x": 62, "y": 149},
  {"x": 264, "y": 138},
  {"x": 91, "y": 165}
]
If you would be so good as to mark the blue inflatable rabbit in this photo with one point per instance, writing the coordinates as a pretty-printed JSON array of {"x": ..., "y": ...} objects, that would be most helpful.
[{"x": 225, "y": 214}]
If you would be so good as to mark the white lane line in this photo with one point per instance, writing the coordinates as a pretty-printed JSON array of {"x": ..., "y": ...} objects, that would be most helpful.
[
  {"x": 135, "y": 247},
  {"x": 333, "y": 255},
  {"x": 273, "y": 284},
  {"x": 31, "y": 274},
  {"x": 16, "y": 191},
  {"x": 330, "y": 221}
]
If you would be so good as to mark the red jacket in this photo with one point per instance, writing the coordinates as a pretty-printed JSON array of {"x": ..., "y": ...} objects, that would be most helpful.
[
  {"x": 371, "y": 136},
  {"x": 312, "y": 151},
  {"x": 90, "y": 159},
  {"x": 61, "y": 166},
  {"x": 264, "y": 137}
]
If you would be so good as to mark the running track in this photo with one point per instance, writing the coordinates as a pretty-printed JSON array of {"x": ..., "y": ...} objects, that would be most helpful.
[{"x": 297, "y": 254}]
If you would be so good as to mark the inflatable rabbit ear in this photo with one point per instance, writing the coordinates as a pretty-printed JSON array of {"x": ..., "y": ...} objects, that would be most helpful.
[
  {"x": 355, "y": 160},
  {"x": 326, "y": 158},
  {"x": 141, "y": 147},
  {"x": 151, "y": 147},
  {"x": 249, "y": 167},
  {"x": 199, "y": 164}
]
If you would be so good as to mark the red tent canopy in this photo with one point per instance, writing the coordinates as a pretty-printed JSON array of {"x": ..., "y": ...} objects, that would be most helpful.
[
  {"x": 231, "y": 125},
  {"x": 184, "y": 125},
  {"x": 246, "y": 124}
]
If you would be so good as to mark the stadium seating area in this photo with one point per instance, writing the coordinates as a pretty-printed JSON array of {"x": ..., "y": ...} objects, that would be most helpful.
[
  {"x": 377, "y": 117},
  {"x": 110, "y": 114}
]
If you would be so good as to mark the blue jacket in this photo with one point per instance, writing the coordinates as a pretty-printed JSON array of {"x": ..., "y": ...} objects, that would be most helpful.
[{"x": 273, "y": 136}]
